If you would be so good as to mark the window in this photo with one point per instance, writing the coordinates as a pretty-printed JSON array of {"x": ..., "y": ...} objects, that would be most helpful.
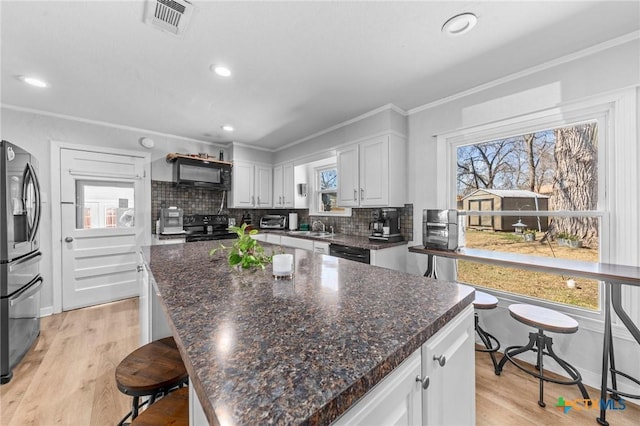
[
  {"x": 535, "y": 193},
  {"x": 326, "y": 192},
  {"x": 104, "y": 204}
]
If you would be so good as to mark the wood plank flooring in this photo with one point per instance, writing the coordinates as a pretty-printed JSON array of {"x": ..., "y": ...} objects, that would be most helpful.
[{"x": 68, "y": 379}]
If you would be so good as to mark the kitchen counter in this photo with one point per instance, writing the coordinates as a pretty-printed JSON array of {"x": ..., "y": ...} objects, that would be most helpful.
[
  {"x": 261, "y": 351},
  {"x": 344, "y": 239}
]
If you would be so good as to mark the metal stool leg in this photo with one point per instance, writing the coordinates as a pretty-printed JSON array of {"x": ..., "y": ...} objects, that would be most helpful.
[
  {"x": 512, "y": 351},
  {"x": 573, "y": 373},
  {"x": 487, "y": 340},
  {"x": 540, "y": 344}
]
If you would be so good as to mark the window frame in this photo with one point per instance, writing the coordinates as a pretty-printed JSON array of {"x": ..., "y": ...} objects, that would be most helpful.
[
  {"x": 602, "y": 112},
  {"x": 315, "y": 204}
]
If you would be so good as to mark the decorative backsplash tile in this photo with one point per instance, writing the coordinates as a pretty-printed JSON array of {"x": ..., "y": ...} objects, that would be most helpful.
[{"x": 203, "y": 201}]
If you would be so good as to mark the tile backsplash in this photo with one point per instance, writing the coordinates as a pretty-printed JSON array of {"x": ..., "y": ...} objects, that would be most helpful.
[{"x": 203, "y": 201}]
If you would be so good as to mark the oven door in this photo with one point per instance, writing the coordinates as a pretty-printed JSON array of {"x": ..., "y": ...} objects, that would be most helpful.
[
  {"x": 439, "y": 235},
  {"x": 19, "y": 325}
]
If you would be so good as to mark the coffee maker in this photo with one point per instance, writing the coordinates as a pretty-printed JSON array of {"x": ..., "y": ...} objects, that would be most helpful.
[{"x": 385, "y": 225}]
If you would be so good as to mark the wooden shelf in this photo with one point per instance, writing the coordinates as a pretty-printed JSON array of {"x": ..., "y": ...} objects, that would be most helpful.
[{"x": 174, "y": 156}]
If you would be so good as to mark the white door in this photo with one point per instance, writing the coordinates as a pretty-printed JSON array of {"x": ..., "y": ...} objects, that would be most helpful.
[
  {"x": 374, "y": 172},
  {"x": 263, "y": 186},
  {"x": 288, "y": 185},
  {"x": 278, "y": 177},
  {"x": 349, "y": 189},
  {"x": 242, "y": 182},
  {"x": 102, "y": 224}
]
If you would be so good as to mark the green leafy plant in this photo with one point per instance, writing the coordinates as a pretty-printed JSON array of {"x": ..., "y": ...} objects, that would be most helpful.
[{"x": 245, "y": 251}]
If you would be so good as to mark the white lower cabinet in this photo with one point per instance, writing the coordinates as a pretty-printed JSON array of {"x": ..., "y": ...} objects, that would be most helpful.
[
  {"x": 153, "y": 322},
  {"x": 393, "y": 401},
  {"x": 392, "y": 258},
  {"x": 321, "y": 247},
  {"x": 300, "y": 243},
  {"x": 272, "y": 238},
  {"x": 448, "y": 361},
  {"x": 445, "y": 365}
]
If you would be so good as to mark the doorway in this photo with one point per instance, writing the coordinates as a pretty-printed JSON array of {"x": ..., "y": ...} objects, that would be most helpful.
[{"x": 103, "y": 208}]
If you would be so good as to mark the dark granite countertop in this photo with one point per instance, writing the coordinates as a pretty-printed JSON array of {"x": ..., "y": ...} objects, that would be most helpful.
[
  {"x": 343, "y": 239},
  {"x": 261, "y": 351}
]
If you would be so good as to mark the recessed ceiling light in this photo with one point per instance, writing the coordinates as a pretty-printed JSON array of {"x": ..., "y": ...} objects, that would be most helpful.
[
  {"x": 222, "y": 71},
  {"x": 33, "y": 81},
  {"x": 227, "y": 128},
  {"x": 460, "y": 24}
]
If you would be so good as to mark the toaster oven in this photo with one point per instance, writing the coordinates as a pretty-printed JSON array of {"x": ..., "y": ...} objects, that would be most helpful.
[{"x": 440, "y": 229}]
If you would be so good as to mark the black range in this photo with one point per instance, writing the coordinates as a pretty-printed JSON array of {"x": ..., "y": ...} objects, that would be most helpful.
[{"x": 205, "y": 227}]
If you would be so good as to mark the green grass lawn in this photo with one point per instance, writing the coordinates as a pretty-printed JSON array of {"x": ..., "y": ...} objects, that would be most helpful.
[{"x": 529, "y": 283}]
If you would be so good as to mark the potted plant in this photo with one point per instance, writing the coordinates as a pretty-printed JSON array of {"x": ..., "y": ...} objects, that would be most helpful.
[
  {"x": 245, "y": 252},
  {"x": 562, "y": 238},
  {"x": 529, "y": 234},
  {"x": 573, "y": 241}
]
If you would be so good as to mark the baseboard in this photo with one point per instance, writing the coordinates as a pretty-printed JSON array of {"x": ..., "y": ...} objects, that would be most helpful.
[{"x": 46, "y": 311}]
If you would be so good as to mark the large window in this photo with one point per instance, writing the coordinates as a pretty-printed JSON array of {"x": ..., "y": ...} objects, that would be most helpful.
[{"x": 536, "y": 193}]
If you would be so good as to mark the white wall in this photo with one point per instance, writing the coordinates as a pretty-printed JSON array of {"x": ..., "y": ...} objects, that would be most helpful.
[
  {"x": 34, "y": 132},
  {"x": 598, "y": 72}
]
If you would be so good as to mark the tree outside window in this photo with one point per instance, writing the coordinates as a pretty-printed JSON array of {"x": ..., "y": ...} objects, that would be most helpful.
[{"x": 553, "y": 170}]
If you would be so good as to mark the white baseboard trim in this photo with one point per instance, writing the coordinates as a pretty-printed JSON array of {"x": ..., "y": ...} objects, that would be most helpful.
[{"x": 46, "y": 311}]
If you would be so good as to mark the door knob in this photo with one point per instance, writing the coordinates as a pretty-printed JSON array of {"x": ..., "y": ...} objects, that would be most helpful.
[
  {"x": 423, "y": 382},
  {"x": 442, "y": 360},
  {"x": 68, "y": 239}
]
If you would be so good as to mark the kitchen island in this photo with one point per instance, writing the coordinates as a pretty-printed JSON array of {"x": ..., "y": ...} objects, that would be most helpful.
[{"x": 300, "y": 351}]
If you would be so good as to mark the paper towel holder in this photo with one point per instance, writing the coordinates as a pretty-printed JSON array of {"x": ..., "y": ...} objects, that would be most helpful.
[{"x": 302, "y": 189}]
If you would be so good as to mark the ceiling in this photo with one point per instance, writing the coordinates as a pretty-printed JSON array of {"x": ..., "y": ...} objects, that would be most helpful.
[{"x": 298, "y": 67}]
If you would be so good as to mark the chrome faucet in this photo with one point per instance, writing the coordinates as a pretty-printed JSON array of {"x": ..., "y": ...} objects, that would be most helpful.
[{"x": 317, "y": 222}]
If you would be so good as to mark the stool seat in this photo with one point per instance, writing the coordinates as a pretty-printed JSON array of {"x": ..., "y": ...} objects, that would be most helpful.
[
  {"x": 172, "y": 409},
  {"x": 543, "y": 318},
  {"x": 151, "y": 368},
  {"x": 485, "y": 301}
]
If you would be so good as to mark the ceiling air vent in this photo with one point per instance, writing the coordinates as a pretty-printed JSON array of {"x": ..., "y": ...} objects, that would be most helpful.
[{"x": 169, "y": 15}]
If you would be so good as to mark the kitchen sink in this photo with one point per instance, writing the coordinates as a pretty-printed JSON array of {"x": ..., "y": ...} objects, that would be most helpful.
[
  {"x": 299, "y": 232},
  {"x": 311, "y": 234}
]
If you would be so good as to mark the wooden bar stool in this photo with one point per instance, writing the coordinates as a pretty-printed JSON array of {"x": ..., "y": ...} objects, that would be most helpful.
[
  {"x": 172, "y": 409},
  {"x": 491, "y": 344},
  {"x": 544, "y": 320},
  {"x": 150, "y": 370}
]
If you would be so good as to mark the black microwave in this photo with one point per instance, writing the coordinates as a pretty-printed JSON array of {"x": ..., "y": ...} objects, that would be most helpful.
[{"x": 202, "y": 173}]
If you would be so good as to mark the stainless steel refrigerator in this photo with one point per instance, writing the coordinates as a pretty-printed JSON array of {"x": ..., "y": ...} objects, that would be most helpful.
[{"x": 19, "y": 256}]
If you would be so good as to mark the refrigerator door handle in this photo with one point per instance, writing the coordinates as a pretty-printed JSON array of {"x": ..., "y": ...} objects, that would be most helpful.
[
  {"x": 28, "y": 291},
  {"x": 25, "y": 261},
  {"x": 30, "y": 178}
]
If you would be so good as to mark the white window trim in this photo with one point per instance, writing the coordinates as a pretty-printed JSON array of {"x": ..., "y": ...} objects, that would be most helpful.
[
  {"x": 314, "y": 209},
  {"x": 617, "y": 121}
]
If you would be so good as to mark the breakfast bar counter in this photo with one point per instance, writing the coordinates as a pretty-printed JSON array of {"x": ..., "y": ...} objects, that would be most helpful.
[{"x": 299, "y": 351}]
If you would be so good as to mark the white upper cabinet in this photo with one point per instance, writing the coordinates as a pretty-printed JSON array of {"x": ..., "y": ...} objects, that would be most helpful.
[
  {"x": 372, "y": 173},
  {"x": 283, "y": 186},
  {"x": 252, "y": 185}
]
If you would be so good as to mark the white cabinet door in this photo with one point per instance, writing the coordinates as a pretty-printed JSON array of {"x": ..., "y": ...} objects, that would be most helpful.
[
  {"x": 392, "y": 258},
  {"x": 321, "y": 247},
  {"x": 448, "y": 361},
  {"x": 263, "y": 186},
  {"x": 297, "y": 243},
  {"x": 374, "y": 172},
  {"x": 273, "y": 238},
  {"x": 288, "y": 186},
  {"x": 278, "y": 185},
  {"x": 242, "y": 184},
  {"x": 393, "y": 401},
  {"x": 349, "y": 188}
]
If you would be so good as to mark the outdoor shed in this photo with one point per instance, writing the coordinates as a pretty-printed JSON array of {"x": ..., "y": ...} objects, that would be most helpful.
[{"x": 505, "y": 200}]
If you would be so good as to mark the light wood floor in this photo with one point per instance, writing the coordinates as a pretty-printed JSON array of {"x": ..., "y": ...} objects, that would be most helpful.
[{"x": 68, "y": 379}]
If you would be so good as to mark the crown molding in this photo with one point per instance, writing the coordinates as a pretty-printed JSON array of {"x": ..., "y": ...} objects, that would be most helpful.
[
  {"x": 389, "y": 106},
  {"x": 535, "y": 69},
  {"x": 257, "y": 148},
  {"x": 112, "y": 125}
]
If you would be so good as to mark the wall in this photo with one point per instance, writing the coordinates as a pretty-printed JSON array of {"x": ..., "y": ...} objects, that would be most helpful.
[
  {"x": 34, "y": 132},
  {"x": 596, "y": 72}
]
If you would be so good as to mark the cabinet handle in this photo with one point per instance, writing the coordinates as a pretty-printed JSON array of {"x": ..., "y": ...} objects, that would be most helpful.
[
  {"x": 355, "y": 194},
  {"x": 442, "y": 360},
  {"x": 258, "y": 200},
  {"x": 253, "y": 200},
  {"x": 139, "y": 268},
  {"x": 362, "y": 193},
  {"x": 423, "y": 382}
]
